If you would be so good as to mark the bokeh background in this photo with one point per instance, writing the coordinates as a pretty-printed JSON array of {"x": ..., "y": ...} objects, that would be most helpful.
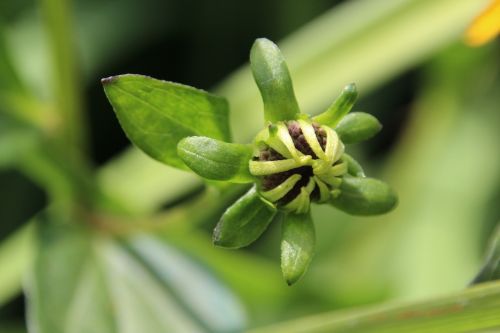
[{"x": 438, "y": 99}]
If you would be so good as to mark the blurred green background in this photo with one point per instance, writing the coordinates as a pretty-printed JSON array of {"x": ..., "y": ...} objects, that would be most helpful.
[{"x": 439, "y": 102}]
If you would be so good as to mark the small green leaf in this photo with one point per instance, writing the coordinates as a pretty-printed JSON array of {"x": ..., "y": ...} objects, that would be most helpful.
[
  {"x": 339, "y": 108},
  {"x": 273, "y": 79},
  {"x": 353, "y": 167},
  {"x": 297, "y": 246},
  {"x": 157, "y": 114},
  {"x": 215, "y": 159},
  {"x": 364, "y": 196},
  {"x": 357, "y": 127},
  {"x": 244, "y": 221}
]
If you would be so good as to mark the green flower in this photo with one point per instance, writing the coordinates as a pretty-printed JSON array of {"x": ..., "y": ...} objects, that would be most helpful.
[{"x": 294, "y": 161}]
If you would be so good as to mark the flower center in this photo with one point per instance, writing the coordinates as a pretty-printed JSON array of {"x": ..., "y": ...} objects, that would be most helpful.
[{"x": 298, "y": 162}]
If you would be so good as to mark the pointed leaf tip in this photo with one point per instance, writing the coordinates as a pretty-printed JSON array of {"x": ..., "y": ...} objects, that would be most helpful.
[
  {"x": 271, "y": 74},
  {"x": 107, "y": 80}
]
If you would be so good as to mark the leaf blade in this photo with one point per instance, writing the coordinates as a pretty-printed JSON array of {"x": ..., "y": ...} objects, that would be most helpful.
[
  {"x": 364, "y": 196},
  {"x": 357, "y": 126},
  {"x": 271, "y": 74},
  {"x": 297, "y": 246},
  {"x": 157, "y": 114},
  {"x": 243, "y": 222}
]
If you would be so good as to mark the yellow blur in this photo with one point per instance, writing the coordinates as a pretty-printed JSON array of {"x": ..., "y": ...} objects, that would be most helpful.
[{"x": 485, "y": 27}]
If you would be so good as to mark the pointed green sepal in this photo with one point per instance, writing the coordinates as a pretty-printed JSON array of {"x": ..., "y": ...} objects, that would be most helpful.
[
  {"x": 273, "y": 79},
  {"x": 364, "y": 196},
  {"x": 297, "y": 245},
  {"x": 215, "y": 159},
  {"x": 244, "y": 221},
  {"x": 339, "y": 108},
  {"x": 353, "y": 167},
  {"x": 357, "y": 127}
]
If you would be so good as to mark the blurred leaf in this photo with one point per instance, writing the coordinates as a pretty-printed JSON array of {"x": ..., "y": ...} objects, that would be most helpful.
[
  {"x": 16, "y": 140},
  {"x": 83, "y": 282},
  {"x": 244, "y": 222},
  {"x": 273, "y": 79},
  {"x": 475, "y": 309},
  {"x": 216, "y": 160},
  {"x": 491, "y": 268},
  {"x": 16, "y": 253},
  {"x": 157, "y": 114},
  {"x": 9, "y": 80},
  {"x": 195, "y": 289},
  {"x": 255, "y": 279}
]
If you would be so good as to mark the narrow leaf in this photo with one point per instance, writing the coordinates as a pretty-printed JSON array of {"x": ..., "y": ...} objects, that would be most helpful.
[
  {"x": 215, "y": 159},
  {"x": 157, "y": 114},
  {"x": 364, "y": 196},
  {"x": 244, "y": 221},
  {"x": 218, "y": 309},
  {"x": 491, "y": 269},
  {"x": 297, "y": 246},
  {"x": 339, "y": 108},
  {"x": 471, "y": 310},
  {"x": 273, "y": 79},
  {"x": 16, "y": 252},
  {"x": 357, "y": 127}
]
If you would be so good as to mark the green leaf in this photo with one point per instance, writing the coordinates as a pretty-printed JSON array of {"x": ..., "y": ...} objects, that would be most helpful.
[
  {"x": 297, "y": 246},
  {"x": 364, "y": 196},
  {"x": 16, "y": 253},
  {"x": 244, "y": 221},
  {"x": 83, "y": 282},
  {"x": 353, "y": 167},
  {"x": 273, "y": 79},
  {"x": 215, "y": 159},
  {"x": 357, "y": 127},
  {"x": 157, "y": 114},
  {"x": 491, "y": 269},
  {"x": 339, "y": 108},
  {"x": 471, "y": 310}
]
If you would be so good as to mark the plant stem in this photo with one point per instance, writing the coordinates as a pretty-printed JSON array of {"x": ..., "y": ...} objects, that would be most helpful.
[{"x": 65, "y": 77}]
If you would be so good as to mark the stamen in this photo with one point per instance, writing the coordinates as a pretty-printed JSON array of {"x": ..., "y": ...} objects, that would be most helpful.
[
  {"x": 281, "y": 190},
  {"x": 311, "y": 138},
  {"x": 263, "y": 168}
]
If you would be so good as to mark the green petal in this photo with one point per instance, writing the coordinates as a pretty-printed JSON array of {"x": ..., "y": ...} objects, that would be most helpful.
[
  {"x": 216, "y": 160},
  {"x": 364, "y": 196},
  {"x": 297, "y": 246},
  {"x": 353, "y": 167},
  {"x": 244, "y": 221},
  {"x": 339, "y": 108},
  {"x": 273, "y": 79},
  {"x": 357, "y": 127}
]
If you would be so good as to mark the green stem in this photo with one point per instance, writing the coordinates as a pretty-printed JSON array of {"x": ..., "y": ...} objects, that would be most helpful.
[{"x": 65, "y": 78}]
